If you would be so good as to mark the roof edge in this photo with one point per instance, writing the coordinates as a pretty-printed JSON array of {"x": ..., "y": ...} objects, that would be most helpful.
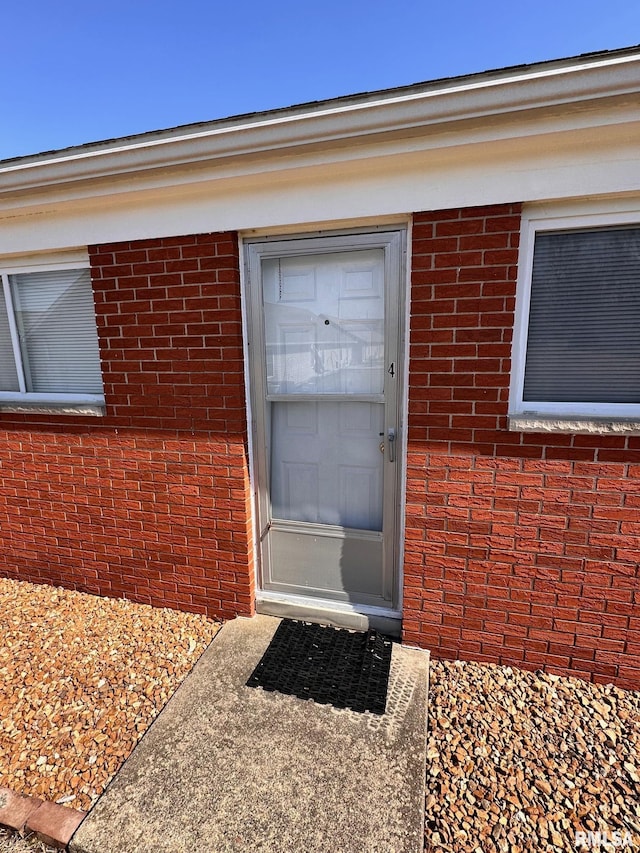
[{"x": 604, "y": 74}]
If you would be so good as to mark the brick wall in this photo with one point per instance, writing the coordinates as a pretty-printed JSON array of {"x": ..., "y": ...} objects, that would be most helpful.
[
  {"x": 521, "y": 549},
  {"x": 152, "y": 501}
]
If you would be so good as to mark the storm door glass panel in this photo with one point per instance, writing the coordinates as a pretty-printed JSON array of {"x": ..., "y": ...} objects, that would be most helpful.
[
  {"x": 324, "y": 323},
  {"x": 326, "y": 464}
]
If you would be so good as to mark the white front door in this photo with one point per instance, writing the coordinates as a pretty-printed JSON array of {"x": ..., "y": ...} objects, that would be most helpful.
[{"x": 325, "y": 373}]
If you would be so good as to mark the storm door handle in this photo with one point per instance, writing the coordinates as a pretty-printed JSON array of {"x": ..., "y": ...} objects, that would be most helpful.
[{"x": 391, "y": 438}]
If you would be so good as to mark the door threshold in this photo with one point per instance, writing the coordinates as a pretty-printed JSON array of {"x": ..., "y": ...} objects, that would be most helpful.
[{"x": 327, "y": 612}]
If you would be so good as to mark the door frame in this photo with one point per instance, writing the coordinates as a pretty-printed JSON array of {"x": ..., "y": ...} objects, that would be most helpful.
[{"x": 351, "y": 615}]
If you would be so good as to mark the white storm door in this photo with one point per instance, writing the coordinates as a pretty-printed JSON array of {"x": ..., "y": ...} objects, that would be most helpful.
[{"x": 325, "y": 373}]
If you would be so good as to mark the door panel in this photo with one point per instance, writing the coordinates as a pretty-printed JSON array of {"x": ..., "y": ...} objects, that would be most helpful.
[
  {"x": 326, "y": 464},
  {"x": 324, "y": 323},
  {"x": 324, "y": 316}
]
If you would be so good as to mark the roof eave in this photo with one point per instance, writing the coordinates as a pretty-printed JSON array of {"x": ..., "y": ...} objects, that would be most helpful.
[{"x": 345, "y": 119}]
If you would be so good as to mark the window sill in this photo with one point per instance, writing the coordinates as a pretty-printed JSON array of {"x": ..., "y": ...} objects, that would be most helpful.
[
  {"x": 575, "y": 425},
  {"x": 88, "y": 409}
]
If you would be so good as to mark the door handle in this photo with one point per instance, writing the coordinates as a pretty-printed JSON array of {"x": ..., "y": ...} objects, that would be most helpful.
[{"x": 391, "y": 438}]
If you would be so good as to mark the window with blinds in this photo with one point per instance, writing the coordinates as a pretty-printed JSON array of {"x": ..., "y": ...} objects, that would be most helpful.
[
  {"x": 48, "y": 337},
  {"x": 576, "y": 345},
  {"x": 583, "y": 342}
]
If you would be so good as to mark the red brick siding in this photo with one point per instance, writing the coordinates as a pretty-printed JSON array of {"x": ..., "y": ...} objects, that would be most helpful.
[
  {"x": 151, "y": 502},
  {"x": 520, "y": 549}
]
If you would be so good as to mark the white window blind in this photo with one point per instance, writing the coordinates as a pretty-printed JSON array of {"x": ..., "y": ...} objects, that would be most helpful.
[
  {"x": 8, "y": 374},
  {"x": 583, "y": 341},
  {"x": 57, "y": 342}
]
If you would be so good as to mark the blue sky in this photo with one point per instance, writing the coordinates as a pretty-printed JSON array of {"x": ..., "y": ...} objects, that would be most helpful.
[{"x": 77, "y": 71}]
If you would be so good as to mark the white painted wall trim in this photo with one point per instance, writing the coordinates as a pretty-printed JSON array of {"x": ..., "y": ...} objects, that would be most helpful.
[{"x": 67, "y": 259}]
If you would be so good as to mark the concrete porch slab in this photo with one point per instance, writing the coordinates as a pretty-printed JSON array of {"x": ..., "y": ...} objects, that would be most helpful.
[{"x": 227, "y": 767}]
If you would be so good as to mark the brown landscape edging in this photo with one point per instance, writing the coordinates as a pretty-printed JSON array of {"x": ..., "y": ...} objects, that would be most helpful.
[{"x": 51, "y": 823}]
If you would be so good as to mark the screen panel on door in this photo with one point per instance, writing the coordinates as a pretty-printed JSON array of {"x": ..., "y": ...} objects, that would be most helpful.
[{"x": 326, "y": 348}]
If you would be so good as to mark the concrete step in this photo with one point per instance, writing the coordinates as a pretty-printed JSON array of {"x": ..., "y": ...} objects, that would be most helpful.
[{"x": 227, "y": 767}]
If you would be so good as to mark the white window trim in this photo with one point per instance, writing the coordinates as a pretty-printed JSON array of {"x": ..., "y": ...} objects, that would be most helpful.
[
  {"x": 543, "y": 416},
  {"x": 24, "y": 401}
]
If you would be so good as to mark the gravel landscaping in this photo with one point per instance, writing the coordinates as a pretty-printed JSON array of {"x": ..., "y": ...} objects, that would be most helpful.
[
  {"x": 516, "y": 761},
  {"x": 81, "y": 679},
  {"x": 521, "y": 761}
]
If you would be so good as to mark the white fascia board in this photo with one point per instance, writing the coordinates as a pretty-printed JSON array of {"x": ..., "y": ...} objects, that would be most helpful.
[
  {"x": 538, "y": 169},
  {"x": 609, "y": 124},
  {"x": 484, "y": 96}
]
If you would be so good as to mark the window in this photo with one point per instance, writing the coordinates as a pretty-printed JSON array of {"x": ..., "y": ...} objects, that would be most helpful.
[
  {"x": 577, "y": 337},
  {"x": 48, "y": 339}
]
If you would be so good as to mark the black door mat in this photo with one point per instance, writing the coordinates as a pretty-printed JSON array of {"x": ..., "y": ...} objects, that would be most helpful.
[{"x": 332, "y": 666}]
